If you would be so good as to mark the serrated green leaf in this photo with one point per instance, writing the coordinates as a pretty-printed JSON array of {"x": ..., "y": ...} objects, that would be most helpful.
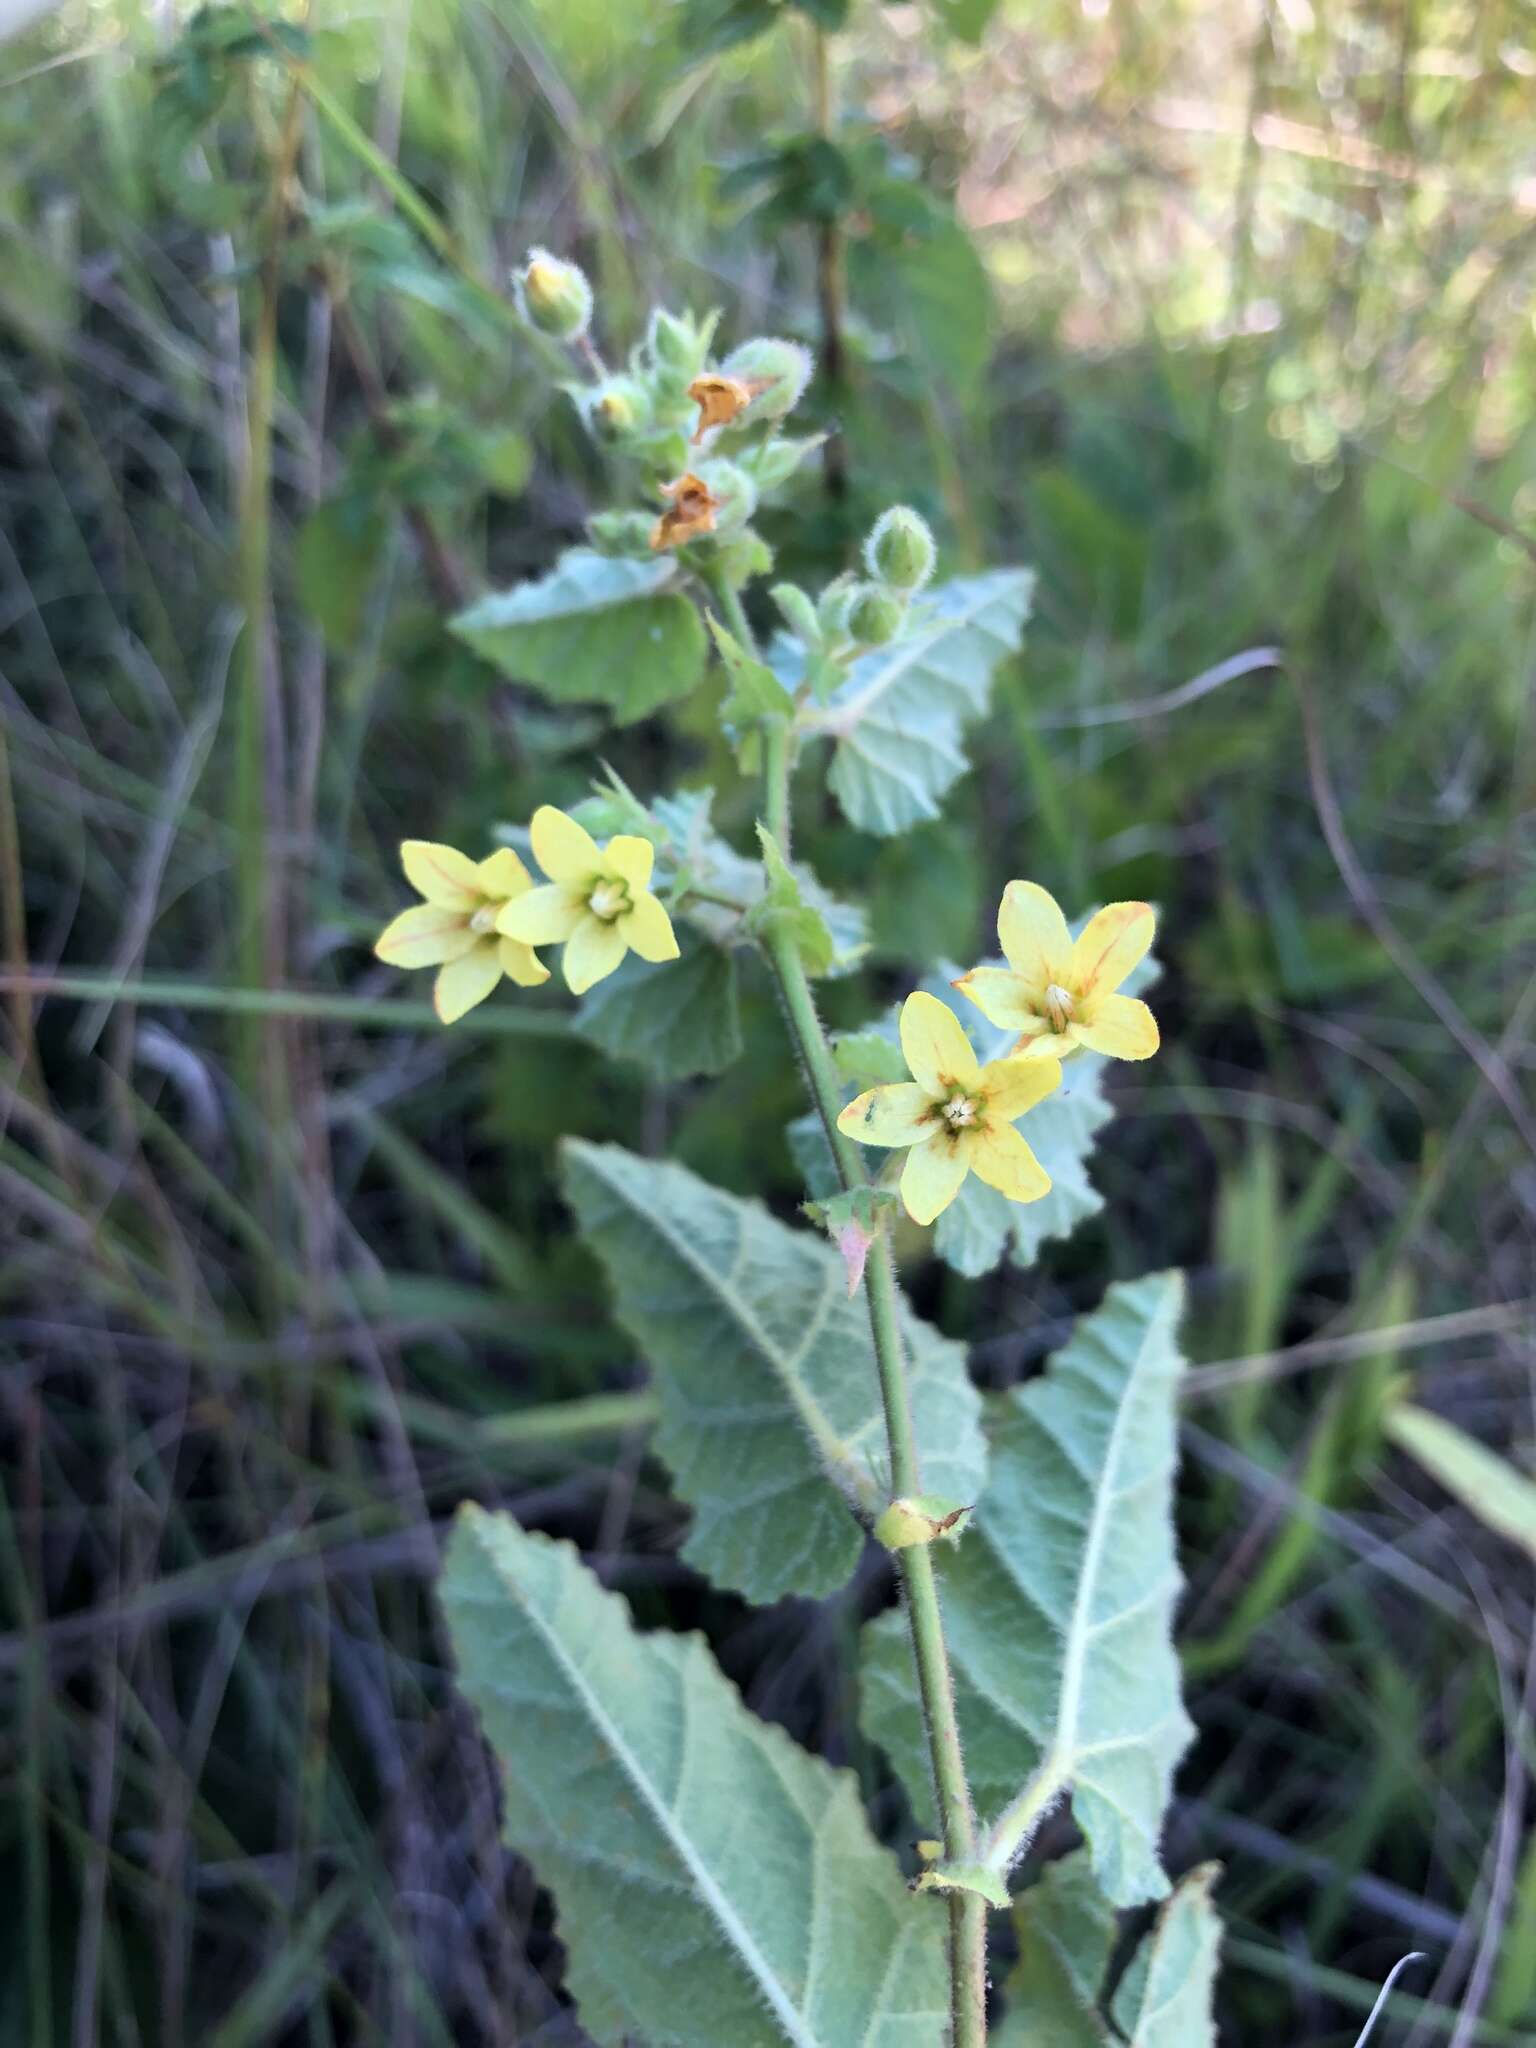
[
  {"x": 1165, "y": 1998},
  {"x": 898, "y": 718},
  {"x": 1059, "y": 1604},
  {"x": 1501, "y": 1496},
  {"x": 677, "y": 1019},
  {"x": 629, "y": 1764},
  {"x": 1066, "y": 1930},
  {"x": 770, "y": 1411},
  {"x": 868, "y": 1059},
  {"x": 598, "y": 628}
]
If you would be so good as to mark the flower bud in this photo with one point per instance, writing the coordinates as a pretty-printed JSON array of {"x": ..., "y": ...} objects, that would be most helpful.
[
  {"x": 876, "y": 615},
  {"x": 778, "y": 370},
  {"x": 553, "y": 295},
  {"x": 678, "y": 346},
  {"x": 900, "y": 550},
  {"x": 620, "y": 533},
  {"x": 617, "y": 409}
]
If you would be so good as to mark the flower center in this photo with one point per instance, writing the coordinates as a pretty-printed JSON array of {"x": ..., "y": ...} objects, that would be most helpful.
[
  {"x": 1059, "y": 1006},
  {"x": 484, "y": 919},
  {"x": 959, "y": 1112},
  {"x": 608, "y": 900}
]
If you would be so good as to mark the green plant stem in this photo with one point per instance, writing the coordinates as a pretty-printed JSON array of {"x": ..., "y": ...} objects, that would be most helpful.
[{"x": 967, "y": 1912}]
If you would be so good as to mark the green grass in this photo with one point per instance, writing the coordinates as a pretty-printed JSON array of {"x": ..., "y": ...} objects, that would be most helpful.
[{"x": 285, "y": 1275}]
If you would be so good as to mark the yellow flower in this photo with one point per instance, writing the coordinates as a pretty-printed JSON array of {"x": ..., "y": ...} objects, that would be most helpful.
[
  {"x": 956, "y": 1115},
  {"x": 1063, "y": 993},
  {"x": 596, "y": 901},
  {"x": 454, "y": 927}
]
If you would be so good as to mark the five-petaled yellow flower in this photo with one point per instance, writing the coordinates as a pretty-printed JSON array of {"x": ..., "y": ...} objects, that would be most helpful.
[
  {"x": 596, "y": 900},
  {"x": 454, "y": 927},
  {"x": 956, "y": 1115},
  {"x": 1061, "y": 992}
]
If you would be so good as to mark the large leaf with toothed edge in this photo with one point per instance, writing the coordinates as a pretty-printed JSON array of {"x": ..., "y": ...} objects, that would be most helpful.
[
  {"x": 713, "y": 1882},
  {"x": 1059, "y": 1601},
  {"x": 596, "y": 628},
  {"x": 771, "y": 1423},
  {"x": 897, "y": 721}
]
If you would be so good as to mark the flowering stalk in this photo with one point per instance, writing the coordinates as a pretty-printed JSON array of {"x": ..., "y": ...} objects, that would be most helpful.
[{"x": 967, "y": 1912}]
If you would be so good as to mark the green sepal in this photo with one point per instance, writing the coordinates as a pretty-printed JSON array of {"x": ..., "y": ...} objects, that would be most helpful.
[
  {"x": 921, "y": 1518},
  {"x": 755, "y": 693},
  {"x": 963, "y": 1877},
  {"x": 782, "y": 907}
]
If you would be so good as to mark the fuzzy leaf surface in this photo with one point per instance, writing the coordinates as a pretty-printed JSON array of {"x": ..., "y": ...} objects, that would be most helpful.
[
  {"x": 596, "y": 628},
  {"x": 770, "y": 1412},
  {"x": 1059, "y": 1603},
  {"x": 630, "y": 1767},
  {"x": 1165, "y": 1998},
  {"x": 897, "y": 721},
  {"x": 678, "y": 1018},
  {"x": 1066, "y": 1929}
]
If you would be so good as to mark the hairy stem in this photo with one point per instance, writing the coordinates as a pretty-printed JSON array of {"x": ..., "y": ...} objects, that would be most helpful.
[{"x": 967, "y": 1912}]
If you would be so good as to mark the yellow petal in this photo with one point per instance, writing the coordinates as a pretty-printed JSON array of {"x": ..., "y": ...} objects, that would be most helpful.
[
  {"x": 463, "y": 983},
  {"x": 938, "y": 1053},
  {"x": 501, "y": 874},
  {"x": 521, "y": 963},
  {"x": 1047, "y": 1045},
  {"x": 1002, "y": 997},
  {"x": 566, "y": 851},
  {"x": 1122, "y": 1026},
  {"x": 1113, "y": 941},
  {"x": 1033, "y": 933},
  {"x": 541, "y": 917},
  {"x": 1012, "y": 1087},
  {"x": 900, "y": 1114},
  {"x": 630, "y": 858},
  {"x": 1003, "y": 1159},
  {"x": 424, "y": 936},
  {"x": 646, "y": 927},
  {"x": 592, "y": 951},
  {"x": 931, "y": 1178},
  {"x": 441, "y": 875}
]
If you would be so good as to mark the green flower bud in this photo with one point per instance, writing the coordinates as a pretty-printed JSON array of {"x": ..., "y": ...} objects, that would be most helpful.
[
  {"x": 900, "y": 549},
  {"x": 621, "y": 533},
  {"x": 553, "y": 295},
  {"x": 618, "y": 409},
  {"x": 678, "y": 346},
  {"x": 774, "y": 462},
  {"x": 834, "y": 605},
  {"x": 776, "y": 372},
  {"x": 876, "y": 615}
]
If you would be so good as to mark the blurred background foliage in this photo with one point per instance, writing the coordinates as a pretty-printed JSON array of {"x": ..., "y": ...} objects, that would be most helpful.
[{"x": 1222, "y": 317}]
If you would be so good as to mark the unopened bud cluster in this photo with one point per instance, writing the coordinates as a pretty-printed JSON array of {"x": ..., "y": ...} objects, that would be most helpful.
[
  {"x": 704, "y": 435},
  {"x": 899, "y": 556}
]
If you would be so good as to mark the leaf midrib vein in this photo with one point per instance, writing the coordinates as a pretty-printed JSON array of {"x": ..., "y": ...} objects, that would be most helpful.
[{"x": 740, "y": 1938}]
